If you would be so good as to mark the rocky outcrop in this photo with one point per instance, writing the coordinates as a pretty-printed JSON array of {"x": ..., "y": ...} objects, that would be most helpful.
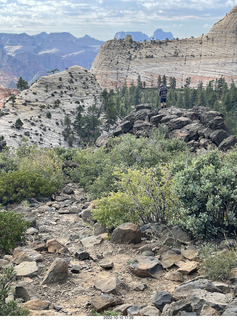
[
  {"x": 49, "y": 107},
  {"x": 200, "y": 127},
  {"x": 203, "y": 59}
]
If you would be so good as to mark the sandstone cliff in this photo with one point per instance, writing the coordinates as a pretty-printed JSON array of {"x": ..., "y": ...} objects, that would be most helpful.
[
  {"x": 44, "y": 107},
  {"x": 203, "y": 59}
]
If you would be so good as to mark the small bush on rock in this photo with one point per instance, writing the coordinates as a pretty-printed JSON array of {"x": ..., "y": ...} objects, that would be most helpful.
[{"x": 12, "y": 229}]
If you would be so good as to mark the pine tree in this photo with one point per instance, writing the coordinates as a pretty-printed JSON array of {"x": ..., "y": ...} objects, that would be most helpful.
[{"x": 22, "y": 84}]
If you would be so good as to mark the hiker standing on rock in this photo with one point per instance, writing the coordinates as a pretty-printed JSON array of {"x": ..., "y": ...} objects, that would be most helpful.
[{"x": 163, "y": 95}]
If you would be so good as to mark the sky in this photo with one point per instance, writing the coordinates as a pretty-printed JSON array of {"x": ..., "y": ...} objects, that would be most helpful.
[{"x": 101, "y": 19}]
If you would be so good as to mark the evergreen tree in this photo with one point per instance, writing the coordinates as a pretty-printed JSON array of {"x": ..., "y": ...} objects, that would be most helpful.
[
  {"x": 164, "y": 80},
  {"x": 172, "y": 82},
  {"x": 22, "y": 84},
  {"x": 188, "y": 82},
  {"x": 159, "y": 82}
]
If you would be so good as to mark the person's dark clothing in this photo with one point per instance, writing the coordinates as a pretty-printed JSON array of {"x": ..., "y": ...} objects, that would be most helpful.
[{"x": 163, "y": 92}]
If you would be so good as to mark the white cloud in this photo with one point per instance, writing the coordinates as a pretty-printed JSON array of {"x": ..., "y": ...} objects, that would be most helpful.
[{"x": 104, "y": 16}]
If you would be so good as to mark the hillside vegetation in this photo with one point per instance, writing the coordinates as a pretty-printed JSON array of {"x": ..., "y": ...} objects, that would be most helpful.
[{"x": 138, "y": 180}]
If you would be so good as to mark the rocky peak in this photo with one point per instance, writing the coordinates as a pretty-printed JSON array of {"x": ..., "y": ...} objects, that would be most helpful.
[{"x": 44, "y": 107}]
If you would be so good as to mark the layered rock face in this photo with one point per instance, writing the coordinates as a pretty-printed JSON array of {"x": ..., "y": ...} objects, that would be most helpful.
[
  {"x": 203, "y": 59},
  {"x": 45, "y": 106},
  {"x": 201, "y": 128}
]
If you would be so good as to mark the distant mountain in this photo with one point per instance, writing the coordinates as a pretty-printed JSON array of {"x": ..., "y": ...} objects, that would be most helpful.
[
  {"x": 31, "y": 57},
  {"x": 136, "y": 36},
  {"x": 159, "y": 34}
]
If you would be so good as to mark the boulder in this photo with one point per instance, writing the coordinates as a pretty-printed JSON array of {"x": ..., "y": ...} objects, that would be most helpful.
[
  {"x": 186, "y": 289},
  {"x": 54, "y": 246},
  {"x": 126, "y": 233},
  {"x": 122, "y": 308},
  {"x": 108, "y": 285},
  {"x": 218, "y": 136},
  {"x": 82, "y": 255},
  {"x": 36, "y": 304},
  {"x": 21, "y": 292},
  {"x": 174, "y": 276},
  {"x": 175, "y": 308},
  {"x": 134, "y": 311},
  {"x": 146, "y": 267},
  {"x": 104, "y": 301},
  {"x": 57, "y": 273},
  {"x": 161, "y": 298},
  {"x": 199, "y": 298},
  {"x": 231, "y": 309},
  {"x": 227, "y": 143},
  {"x": 149, "y": 311},
  {"x": 178, "y": 123}
]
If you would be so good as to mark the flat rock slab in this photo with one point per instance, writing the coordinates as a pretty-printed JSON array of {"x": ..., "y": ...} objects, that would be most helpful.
[
  {"x": 169, "y": 258},
  {"x": 92, "y": 241},
  {"x": 189, "y": 253},
  {"x": 187, "y": 267},
  {"x": 108, "y": 285},
  {"x": 103, "y": 302},
  {"x": 26, "y": 254},
  {"x": 146, "y": 267},
  {"x": 26, "y": 269}
]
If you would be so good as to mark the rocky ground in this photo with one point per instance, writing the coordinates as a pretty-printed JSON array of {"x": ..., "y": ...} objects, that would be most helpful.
[{"x": 70, "y": 266}]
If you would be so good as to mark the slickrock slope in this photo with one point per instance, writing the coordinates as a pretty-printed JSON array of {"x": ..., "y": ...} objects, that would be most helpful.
[
  {"x": 205, "y": 58},
  {"x": 44, "y": 107}
]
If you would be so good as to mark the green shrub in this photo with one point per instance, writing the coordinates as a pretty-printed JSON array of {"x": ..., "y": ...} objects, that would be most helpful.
[
  {"x": 143, "y": 195},
  {"x": 9, "y": 308},
  {"x": 207, "y": 193},
  {"x": 29, "y": 172},
  {"x": 12, "y": 229},
  {"x": 218, "y": 265},
  {"x": 19, "y": 185},
  {"x": 96, "y": 166},
  {"x": 7, "y": 161}
]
